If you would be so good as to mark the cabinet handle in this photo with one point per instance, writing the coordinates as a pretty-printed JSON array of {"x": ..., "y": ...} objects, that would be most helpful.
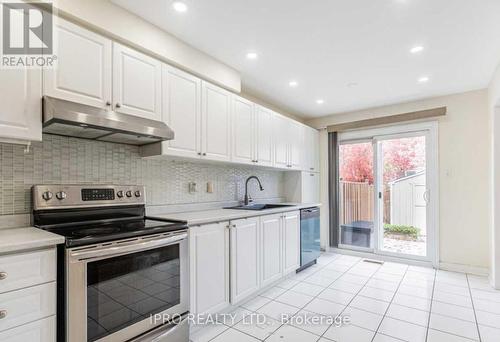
[
  {"x": 117, "y": 105},
  {"x": 311, "y": 168},
  {"x": 108, "y": 103},
  {"x": 3, "y": 314},
  {"x": 311, "y": 174},
  {"x": 3, "y": 275},
  {"x": 204, "y": 154},
  {"x": 199, "y": 153}
]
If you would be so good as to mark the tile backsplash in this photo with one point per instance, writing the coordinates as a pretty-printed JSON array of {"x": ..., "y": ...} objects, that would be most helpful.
[{"x": 64, "y": 160}]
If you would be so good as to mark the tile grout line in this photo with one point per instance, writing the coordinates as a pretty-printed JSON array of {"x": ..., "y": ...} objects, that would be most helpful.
[
  {"x": 317, "y": 296},
  {"x": 430, "y": 307},
  {"x": 390, "y": 303},
  {"x": 473, "y": 308},
  {"x": 274, "y": 300},
  {"x": 355, "y": 295}
]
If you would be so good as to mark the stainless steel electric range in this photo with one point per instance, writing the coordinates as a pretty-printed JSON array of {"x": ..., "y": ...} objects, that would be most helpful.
[{"x": 118, "y": 269}]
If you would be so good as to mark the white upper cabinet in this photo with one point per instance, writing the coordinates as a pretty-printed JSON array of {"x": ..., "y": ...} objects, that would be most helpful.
[
  {"x": 264, "y": 140},
  {"x": 270, "y": 235},
  {"x": 281, "y": 143},
  {"x": 244, "y": 256},
  {"x": 291, "y": 241},
  {"x": 83, "y": 72},
  {"x": 296, "y": 144},
  {"x": 136, "y": 83},
  {"x": 21, "y": 104},
  {"x": 289, "y": 141},
  {"x": 311, "y": 150},
  {"x": 182, "y": 112},
  {"x": 243, "y": 133},
  {"x": 216, "y": 122}
]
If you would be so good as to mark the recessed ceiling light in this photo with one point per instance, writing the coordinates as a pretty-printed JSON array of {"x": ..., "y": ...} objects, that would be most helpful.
[
  {"x": 252, "y": 55},
  {"x": 293, "y": 84},
  {"x": 417, "y": 49},
  {"x": 423, "y": 79},
  {"x": 180, "y": 6},
  {"x": 320, "y": 101}
]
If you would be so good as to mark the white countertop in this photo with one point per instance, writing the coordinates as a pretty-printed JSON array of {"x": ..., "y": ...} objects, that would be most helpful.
[
  {"x": 195, "y": 218},
  {"x": 19, "y": 239}
]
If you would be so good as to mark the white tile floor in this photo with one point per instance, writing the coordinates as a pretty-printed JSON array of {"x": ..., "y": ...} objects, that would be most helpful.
[{"x": 388, "y": 303}]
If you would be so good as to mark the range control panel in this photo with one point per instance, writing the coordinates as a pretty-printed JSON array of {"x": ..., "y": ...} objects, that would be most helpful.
[
  {"x": 98, "y": 194},
  {"x": 64, "y": 196}
]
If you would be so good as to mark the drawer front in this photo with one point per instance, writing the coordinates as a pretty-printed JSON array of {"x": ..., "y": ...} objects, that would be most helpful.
[
  {"x": 21, "y": 270},
  {"x": 27, "y": 305},
  {"x": 40, "y": 331}
]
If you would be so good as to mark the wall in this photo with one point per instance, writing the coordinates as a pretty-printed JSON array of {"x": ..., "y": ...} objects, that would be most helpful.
[
  {"x": 63, "y": 160},
  {"x": 494, "y": 108},
  {"x": 114, "y": 21},
  {"x": 464, "y": 157}
]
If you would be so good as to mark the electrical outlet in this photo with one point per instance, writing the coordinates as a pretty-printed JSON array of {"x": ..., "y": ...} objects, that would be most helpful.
[
  {"x": 210, "y": 187},
  {"x": 192, "y": 187}
]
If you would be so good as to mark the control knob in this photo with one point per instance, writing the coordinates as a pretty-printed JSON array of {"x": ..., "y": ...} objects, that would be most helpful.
[
  {"x": 119, "y": 194},
  {"x": 61, "y": 195},
  {"x": 47, "y": 195},
  {"x": 129, "y": 193},
  {"x": 137, "y": 193}
]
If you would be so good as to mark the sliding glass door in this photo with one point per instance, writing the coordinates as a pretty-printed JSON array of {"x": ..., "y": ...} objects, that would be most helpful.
[
  {"x": 385, "y": 186},
  {"x": 356, "y": 195}
]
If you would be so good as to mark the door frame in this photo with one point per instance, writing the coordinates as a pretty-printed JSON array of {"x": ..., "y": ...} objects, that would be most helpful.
[{"x": 432, "y": 173}]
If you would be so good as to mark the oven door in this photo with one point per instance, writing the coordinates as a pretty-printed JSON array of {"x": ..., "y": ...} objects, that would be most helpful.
[{"x": 114, "y": 289}]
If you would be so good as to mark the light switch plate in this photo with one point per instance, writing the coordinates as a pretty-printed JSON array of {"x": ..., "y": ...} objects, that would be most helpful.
[
  {"x": 210, "y": 187},
  {"x": 192, "y": 187}
]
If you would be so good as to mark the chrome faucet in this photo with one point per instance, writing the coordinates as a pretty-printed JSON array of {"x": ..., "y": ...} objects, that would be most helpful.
[{"x": 247, "y": 198}]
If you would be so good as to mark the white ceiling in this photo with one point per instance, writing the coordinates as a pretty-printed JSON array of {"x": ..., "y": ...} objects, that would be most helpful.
[{"x": 325, "y": 45}]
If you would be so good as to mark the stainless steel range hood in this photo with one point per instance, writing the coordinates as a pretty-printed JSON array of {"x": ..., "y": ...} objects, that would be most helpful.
[{"x": 76, "y": 120}]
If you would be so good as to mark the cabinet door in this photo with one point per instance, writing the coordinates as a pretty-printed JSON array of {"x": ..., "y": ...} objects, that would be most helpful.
[
  {"x": 244, "y": 258},
  {"x": 136, "y": 83},
  {"x": 271, "y": 251},
  {"x": 296, "y": 139},
  {"x": 310, "y": 187},
  {"x": 314, "y": 145},
  {"x": 291, "y": 241},
  {"x": 216, "y": 122},
  {"x": 281, "y": 131},
  {"x": 21, "y": 104},
  {"x": 209, "y": 250},
  {"x": 243, "y": 137},
  {"x": 43, "y": 330},
  {"x": 182, "y": 112},
  {"x": 264, "y": 136},
  {"x": 83, "y": 70}
]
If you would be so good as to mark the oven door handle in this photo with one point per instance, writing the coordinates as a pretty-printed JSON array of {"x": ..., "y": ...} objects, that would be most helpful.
[{"x": 125, "y": 248}]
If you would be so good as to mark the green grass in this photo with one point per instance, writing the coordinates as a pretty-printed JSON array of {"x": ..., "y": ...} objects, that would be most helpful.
[{"x": 411, "y": 231}]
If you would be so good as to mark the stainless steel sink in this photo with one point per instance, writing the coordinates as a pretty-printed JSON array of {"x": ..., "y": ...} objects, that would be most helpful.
[{"x": 260, "y": 206}]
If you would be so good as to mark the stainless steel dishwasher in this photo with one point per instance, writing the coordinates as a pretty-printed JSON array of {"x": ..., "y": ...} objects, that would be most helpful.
[{"x": 309, "y": 237}]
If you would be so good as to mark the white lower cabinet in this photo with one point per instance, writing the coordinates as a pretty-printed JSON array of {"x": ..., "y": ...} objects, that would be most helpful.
[
  {"x": 209, "y": 267},
  {"x": 271, "y": 248},
  {"x": 230, "y": 261},
  {"x": 28, "y": 296},
  {"x": 244, "y": 255},
  {"x": 291, "y": 241},
  {"x": 43, "y": 330}
]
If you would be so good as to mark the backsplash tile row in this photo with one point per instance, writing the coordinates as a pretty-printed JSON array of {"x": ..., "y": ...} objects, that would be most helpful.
[{"x": 77, "y": 161}]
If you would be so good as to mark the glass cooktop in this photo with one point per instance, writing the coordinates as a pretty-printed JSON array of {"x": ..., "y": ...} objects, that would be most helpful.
[{"x": 90, "y": 233}]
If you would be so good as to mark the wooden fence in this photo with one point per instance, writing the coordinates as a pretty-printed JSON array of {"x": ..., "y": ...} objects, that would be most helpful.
[{"x": 357, "y": 202}]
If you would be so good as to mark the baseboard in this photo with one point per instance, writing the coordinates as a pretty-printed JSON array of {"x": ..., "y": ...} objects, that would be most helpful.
[
  {"x": 475, "y": 270},
  {"x": 380, "y": 257}
]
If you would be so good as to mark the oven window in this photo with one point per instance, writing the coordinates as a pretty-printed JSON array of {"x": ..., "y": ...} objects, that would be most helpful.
[{"x": 127, "y": 289}]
